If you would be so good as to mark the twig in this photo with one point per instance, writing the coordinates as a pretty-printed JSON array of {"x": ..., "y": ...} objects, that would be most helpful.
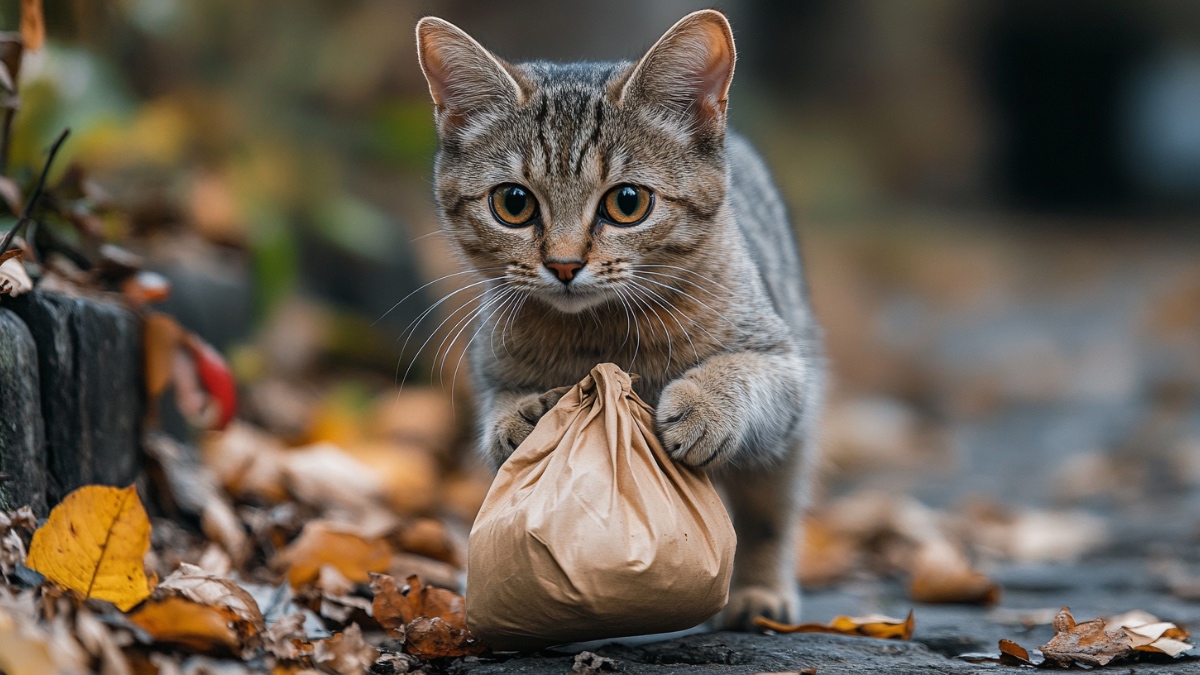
[{"x": 27, "y": 212}]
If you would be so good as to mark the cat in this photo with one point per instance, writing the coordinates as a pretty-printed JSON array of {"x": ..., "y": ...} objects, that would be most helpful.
[{"x": 615, "y": 220}]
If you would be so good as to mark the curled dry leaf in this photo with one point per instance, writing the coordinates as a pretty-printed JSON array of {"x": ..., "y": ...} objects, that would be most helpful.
[
  {"x": 201, "y": 629},
  {"x": 323, "y": 543},
  {"x": 345, "y": 653},
  {"x": 433, "y": 638},
  {"x": 247, "y": 461},
  {"x": 94, "y": 543},
  {"x": 396, "y": 605},
  {"x": 941, "y": 574},
  {"x": 202, "y": 613},
  {"x": 14, "y": 280},
  {"x": 1013, "y": 654},
  {"x": 875, "y": 625},
  {"x": 1099, "y": 642},
  {"x": 286, "y": 639},
  {"x": 332, "y": 598},
  {"x": 431, "y": 620}
]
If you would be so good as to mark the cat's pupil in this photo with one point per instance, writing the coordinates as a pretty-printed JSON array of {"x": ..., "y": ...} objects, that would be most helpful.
[
  {"x": 627, "y": 200},
  {"x": 515, "y": 200}
]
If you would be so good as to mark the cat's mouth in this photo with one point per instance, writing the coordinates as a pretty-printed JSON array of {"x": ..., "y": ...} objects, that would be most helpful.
[{"x": 573, "y": 298}]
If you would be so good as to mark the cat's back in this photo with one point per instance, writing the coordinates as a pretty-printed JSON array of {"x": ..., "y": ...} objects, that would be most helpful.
[{"x": 770, "y": 238}]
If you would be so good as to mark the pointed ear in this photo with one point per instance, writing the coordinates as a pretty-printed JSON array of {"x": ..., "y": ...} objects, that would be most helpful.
[
  {"x": 464, "y": 78},
  {"x": 688, "y": 71}
]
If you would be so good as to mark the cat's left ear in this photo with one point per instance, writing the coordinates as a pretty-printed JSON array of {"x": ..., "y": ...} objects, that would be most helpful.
[{"x": 688, "y": 71}]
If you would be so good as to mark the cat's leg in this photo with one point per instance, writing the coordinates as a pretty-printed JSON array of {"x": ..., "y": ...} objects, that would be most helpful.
[
  {"x": 509, "y": 417},
  {"x": 765, "y": 503}
]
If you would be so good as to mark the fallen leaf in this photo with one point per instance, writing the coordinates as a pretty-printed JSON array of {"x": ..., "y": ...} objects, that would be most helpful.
[
  {"x": 14, "y": 280},
  {"x": 286, "y": 639},
  {"x": 94, "y": 543},
  {"x": 33, "y": 25},
  {"x": 1099, "y": 641},
  {"x": 202, "y": 629},
  {"x": 825, "y": 554},
  {"x": 1013, "y": 654},
  {"x": 196, "y": 585},
  {"x": 323, "y": 543},
  {"x": 101, "y": 642},
  {"x": 396, "y": 605},
  {"x": 331, "y": 597},
  {"x": 247, "y": 461},
  {"x": 941, "y": 574},
  {"x": 24, "y": 649},
  {"x": 433, "y": 638},
  {"x": 430, "y": 538},
  {"x": 345, "y": 653},
  {"x": 161, "y": 336},
  {"x": 875, "y": 625}
]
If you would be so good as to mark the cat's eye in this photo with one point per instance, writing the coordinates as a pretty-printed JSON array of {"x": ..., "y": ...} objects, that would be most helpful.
[
  {"x": 626, "y": 205},
  {"x": 513, "y": 205}
]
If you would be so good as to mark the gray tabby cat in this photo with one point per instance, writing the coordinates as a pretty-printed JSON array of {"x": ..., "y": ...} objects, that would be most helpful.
[{"x": 617, "y": 221}]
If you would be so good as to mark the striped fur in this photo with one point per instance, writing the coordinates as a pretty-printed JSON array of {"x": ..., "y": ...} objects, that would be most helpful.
[{"x": 705, "y": 300}]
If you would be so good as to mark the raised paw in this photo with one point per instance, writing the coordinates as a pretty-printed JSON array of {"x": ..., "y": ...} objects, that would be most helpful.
[
  {"x": 750, "y": 602},
  {"x": 513, "y": 427},
  {"x": 695, "y": 429}
]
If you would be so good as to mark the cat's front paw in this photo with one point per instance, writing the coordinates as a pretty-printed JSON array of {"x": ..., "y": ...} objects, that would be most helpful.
[
  {"x": 695, "y": 429},
  {"x": 512, "y": 427}
]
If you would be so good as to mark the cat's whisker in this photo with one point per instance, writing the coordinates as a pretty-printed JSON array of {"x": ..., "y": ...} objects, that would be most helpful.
[
  {"x": 462, "y": 326},
  {"x": 666, "y": 333},
  {"x": 430, "y": 283},
  {"x": 693, "y": 298},
  {"x": 671, "y": 312},
  {"x": 410, "y": 329},
  {"x": 403, "y": 380},
  {"x": 509, "y": 321},
  {"x": 643, "y": 267},
  {"x": 689, "y": 319},
  {"x": 505, "y": 297}
]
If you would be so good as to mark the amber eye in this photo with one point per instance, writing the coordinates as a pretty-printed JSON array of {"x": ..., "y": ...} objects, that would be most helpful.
[
  {"x": 627, "y": 204},
  {"x": 513, "y": 205}
]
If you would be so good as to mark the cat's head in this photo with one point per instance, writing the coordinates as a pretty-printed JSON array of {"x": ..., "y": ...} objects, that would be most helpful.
[{"x": 575, "y": 183}]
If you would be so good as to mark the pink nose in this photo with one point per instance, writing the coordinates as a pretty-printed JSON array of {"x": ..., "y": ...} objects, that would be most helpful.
[{"x": 566, "y": 271}]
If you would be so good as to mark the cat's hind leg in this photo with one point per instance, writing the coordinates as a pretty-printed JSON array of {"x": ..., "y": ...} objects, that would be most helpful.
[{"x": 765, "y": 503}]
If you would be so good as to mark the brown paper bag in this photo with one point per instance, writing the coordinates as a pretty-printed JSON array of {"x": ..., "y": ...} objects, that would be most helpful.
[{"x": 591, "y": 531}]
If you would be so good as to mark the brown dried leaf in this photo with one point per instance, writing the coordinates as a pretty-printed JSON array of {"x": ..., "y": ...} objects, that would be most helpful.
[
  {"x": 203, "y": 614},
  {"x": 286, "y": 639},
  {"x": 941, "y": 574},
  {"x": 324, "y": 543},
  {"x": 1091, "y": 643},
  {"x": 188, "y": 625},
  {"x": 161, "y": 338},
  {"x": 1013, "y": 654},
  {"x": 345, "y": 653},
  {"x": 433, "y": 637},
  {"x": 875, "y": 625}
]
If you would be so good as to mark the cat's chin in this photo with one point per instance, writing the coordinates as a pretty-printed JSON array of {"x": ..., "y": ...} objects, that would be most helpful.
[{"x": 573, "y": 302}]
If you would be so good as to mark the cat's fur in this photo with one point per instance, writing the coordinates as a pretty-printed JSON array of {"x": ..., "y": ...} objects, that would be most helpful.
[{"x": 705, "y": 299}]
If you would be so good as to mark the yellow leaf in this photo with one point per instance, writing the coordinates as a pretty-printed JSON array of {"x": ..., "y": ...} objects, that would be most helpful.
[
  {"x": 199, "y": 628},
  {"x": 321, "y": 544},
  {"x": 94, "y": 543},
  {"x": 876, "y": 626},
  {"x": 33, "y": 26}
]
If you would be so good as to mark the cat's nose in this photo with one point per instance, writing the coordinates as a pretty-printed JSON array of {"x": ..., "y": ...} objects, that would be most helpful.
[{"x": 565, "y": 269}]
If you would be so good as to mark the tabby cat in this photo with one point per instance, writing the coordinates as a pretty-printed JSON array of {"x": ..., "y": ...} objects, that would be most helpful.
[{"x": 616, "y": 220}]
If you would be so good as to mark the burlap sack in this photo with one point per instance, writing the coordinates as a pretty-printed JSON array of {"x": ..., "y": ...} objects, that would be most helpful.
[{"x": 591, "y": 531}]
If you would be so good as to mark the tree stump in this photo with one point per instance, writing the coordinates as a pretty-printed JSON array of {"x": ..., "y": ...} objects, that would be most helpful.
[{"x": 83, "y": 414}]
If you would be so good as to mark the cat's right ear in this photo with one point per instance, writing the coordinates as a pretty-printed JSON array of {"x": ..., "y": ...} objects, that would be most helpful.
[{"x": 465, "y": 79}]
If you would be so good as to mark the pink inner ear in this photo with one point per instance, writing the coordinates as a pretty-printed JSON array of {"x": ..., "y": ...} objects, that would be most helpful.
[{"x": 714, "y": 76}]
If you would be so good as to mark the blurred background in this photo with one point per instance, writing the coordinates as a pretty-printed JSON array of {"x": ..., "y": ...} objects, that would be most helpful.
[{"x": 998, "y": 203}]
